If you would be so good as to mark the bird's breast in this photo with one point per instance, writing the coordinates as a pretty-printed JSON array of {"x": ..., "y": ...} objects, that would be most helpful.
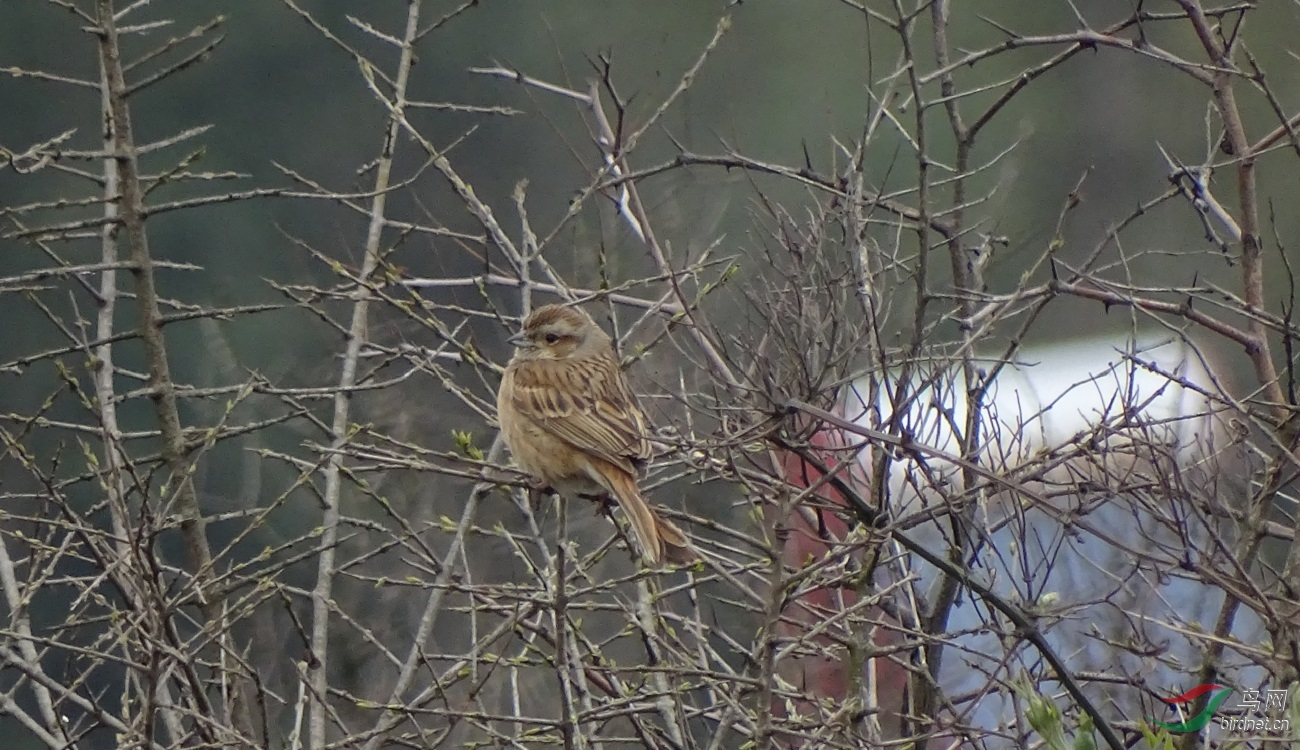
[{"x": 537, "y": 451}]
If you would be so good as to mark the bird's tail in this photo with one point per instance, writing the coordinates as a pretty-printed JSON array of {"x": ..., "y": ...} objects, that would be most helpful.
[{"x": 660, "y": 539}]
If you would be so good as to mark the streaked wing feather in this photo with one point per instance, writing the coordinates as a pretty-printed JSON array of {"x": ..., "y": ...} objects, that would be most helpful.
[{"x": 586, "y": 403}]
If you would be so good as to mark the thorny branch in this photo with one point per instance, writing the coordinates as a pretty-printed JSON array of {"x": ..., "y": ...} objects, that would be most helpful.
[{"x": 897, "y": 487}]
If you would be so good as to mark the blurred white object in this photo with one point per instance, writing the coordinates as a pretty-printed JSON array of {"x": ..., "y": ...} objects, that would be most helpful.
[{"x": 1111, "y": 396}]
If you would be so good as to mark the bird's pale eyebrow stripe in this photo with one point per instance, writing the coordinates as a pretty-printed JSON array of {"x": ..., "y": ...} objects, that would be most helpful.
[{"x": 549, "y": 314}]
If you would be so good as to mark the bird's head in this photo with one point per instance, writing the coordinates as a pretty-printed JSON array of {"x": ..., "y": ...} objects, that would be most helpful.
[{"x": 559, "y": 332}]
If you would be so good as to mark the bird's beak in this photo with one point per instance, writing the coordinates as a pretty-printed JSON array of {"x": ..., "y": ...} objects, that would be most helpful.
[{"x": 520, "y": 340}]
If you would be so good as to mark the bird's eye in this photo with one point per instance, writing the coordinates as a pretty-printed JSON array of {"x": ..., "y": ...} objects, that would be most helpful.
[{"x": 551, "y": 338}]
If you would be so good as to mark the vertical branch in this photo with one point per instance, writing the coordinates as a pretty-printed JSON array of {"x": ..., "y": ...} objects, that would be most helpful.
[
  {"x": 339, "y": 427},
  {"x": 22, "y": 626},
  {"x": 774, "y": 518},
  {"x": 570, "y": 728},
  {"x": 647, "y": 614},
  {"x": 923, "y": 683},
  {"x": 1252, "y": 262},
  {"x": 965, "y": 282},
  {"x": 131, "y": 224},
  {"x": 102, "y": 365},
  {"x": 1220, "y": 54}
]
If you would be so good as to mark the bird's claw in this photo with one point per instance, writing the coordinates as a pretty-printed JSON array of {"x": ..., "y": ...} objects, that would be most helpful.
[
  {"x": 604, "y": 504},
  {"x": 537, "y": 490}
]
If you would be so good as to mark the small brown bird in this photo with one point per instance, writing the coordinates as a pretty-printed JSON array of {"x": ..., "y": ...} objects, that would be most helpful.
[{"x": 571, "y": 421}]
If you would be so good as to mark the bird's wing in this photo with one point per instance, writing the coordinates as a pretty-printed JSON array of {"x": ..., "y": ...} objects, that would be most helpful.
[{"x": 586, "y": 403}]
